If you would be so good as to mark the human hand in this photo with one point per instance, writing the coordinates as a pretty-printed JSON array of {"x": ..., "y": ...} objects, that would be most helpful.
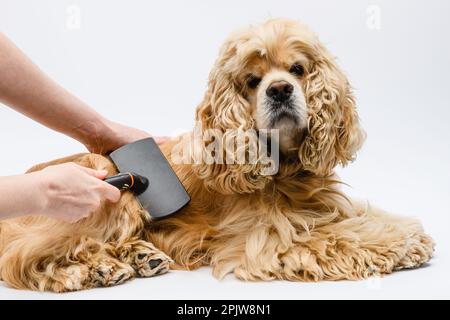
[
  {"x": 116, "y": 135},
  {"x": 71, "y": 192}
]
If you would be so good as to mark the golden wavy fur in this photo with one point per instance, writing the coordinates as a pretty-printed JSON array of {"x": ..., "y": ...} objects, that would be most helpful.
[{"x": 295, "y": 225}]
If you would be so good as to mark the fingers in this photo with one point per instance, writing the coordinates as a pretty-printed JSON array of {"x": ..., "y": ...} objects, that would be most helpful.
[
  {"x": 76, "y": 191},
  {"x": 108, "y": 192},
  {"x": 161, "y": 140},
  {"x": 100, "y": 174}
]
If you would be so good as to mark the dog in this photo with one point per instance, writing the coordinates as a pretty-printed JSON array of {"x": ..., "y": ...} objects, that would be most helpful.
[{"x": 295, "y": 224}]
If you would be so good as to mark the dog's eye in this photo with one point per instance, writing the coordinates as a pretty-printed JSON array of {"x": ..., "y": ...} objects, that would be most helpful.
[
  {"x": 253, "y": 81},
  {"x": 297, "y": 69}
]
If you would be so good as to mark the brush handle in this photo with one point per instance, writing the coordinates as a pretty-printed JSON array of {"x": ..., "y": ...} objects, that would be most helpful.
[{"x": 122, "y": 181}]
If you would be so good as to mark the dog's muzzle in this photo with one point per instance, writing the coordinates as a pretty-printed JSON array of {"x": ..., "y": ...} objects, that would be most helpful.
[{"x": 280, "y": 102}]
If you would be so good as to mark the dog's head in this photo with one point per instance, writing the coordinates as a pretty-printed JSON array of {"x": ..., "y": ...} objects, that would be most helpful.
[{"x": 279, "y": 76}]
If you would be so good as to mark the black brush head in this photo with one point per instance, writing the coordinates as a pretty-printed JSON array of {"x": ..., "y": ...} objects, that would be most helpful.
[{"x": 140, "y": 184}]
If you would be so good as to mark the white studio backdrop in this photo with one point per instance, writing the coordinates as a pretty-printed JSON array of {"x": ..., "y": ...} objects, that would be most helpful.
[{"x": 145, "y": 63}]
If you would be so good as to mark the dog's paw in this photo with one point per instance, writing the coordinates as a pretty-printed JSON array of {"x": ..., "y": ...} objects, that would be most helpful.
[
  {"x": 109, "y": 272},
  {"x": 420, "y": 250},
  {"x": 150, "y": 263},
  {"x": 145, "y": 259}
]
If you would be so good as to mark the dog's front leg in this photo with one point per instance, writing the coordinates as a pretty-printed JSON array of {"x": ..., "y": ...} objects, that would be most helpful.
[
  {"x": 356, "y": 248},
  {"x": 72, "y": 263},
  {"x": 143, "y": 257},
  {"x": 353, "y": 248}
]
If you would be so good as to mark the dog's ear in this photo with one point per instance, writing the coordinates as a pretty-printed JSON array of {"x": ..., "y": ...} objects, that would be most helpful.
[
  {"x": 224, "y": 107},
  {"x": 225, "y": 110},
  {"x": 334, "y": 134}
]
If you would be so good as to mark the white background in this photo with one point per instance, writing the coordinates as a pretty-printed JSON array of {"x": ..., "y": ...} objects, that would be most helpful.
[{"x": 145, "y": 63}]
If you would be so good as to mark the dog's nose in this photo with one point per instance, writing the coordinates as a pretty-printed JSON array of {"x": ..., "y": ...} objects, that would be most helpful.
[{"x": 280, "y": 90}]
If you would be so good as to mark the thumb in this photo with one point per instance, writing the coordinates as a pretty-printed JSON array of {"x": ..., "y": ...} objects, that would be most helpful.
[{"x": 111, "y": 193}]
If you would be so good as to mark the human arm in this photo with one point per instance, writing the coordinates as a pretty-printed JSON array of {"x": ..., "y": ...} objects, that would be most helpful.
[
  {"x": 67, "y": 191},
  {"x": 25, "y": 88}
]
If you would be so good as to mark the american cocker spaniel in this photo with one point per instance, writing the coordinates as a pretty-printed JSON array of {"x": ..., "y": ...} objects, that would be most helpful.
[{"x": 293, "y": 224}]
